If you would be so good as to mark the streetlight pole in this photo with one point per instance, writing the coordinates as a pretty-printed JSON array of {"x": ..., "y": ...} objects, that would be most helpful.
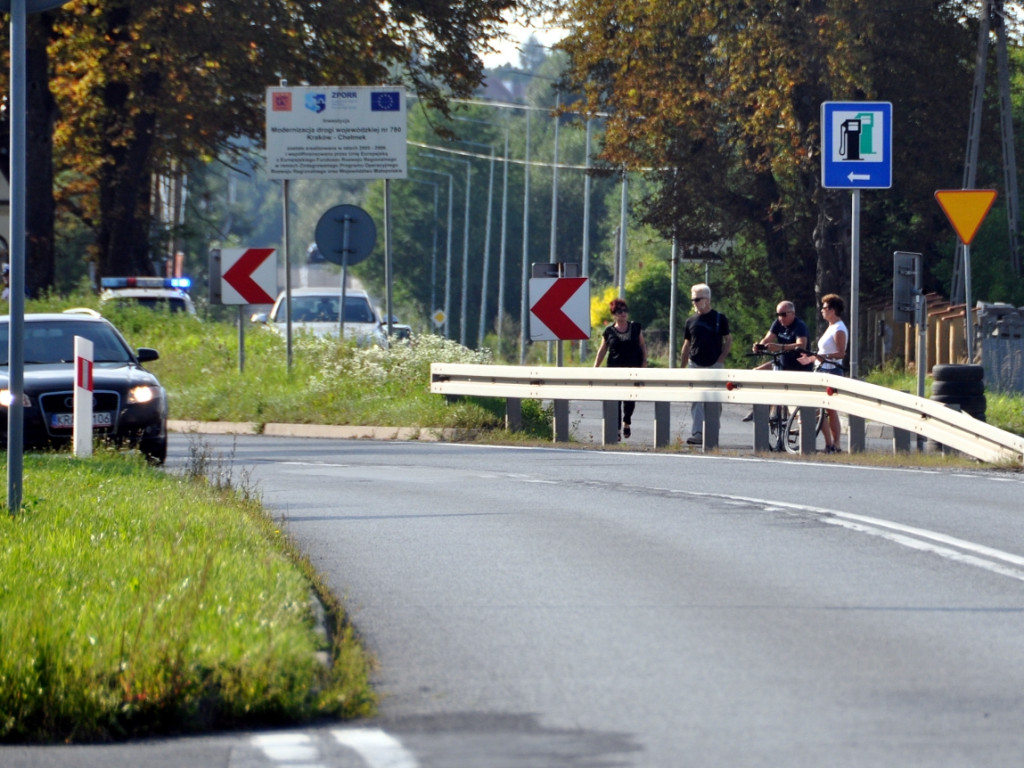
[
  {"x": 487, "y": 245},
  {"x": 487, "y": 249},
  {"x": 586, "y": 220},
  {"x": 524, "y": 301},
  {"x": 448, "y": 258},
  {"x": 465, "y": 243},
  {"x": 433, "y": 253},
  {"x": 553, "y": 247}
]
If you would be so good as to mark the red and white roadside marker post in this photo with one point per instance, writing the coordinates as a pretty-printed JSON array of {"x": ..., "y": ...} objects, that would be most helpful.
[{"x": 81, "y": 438}]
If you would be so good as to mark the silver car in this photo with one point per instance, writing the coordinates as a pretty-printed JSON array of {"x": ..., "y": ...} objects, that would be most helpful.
[{"x": 315, "y": 311}]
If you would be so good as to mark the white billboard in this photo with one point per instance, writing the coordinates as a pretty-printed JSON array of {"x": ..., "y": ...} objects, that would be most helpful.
[{"x": 336, "y": 132}]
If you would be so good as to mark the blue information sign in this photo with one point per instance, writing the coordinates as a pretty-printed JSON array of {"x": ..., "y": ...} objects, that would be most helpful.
[{"x": 856, "y": 145}]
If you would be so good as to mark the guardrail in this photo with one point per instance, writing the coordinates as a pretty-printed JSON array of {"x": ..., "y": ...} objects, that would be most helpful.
[{"x": 907, "y": 414}]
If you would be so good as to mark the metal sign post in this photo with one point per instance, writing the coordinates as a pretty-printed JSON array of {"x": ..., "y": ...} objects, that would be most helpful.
[
  {"x": 966, "y": 209},
  {"x": 16, "y": 245},
  {"x": 345, "y": 234},
  {"x": 856, "y": 154}
]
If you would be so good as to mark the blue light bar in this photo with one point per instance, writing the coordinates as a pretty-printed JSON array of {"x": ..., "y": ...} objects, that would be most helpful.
[{"x": 181, "y": 283}]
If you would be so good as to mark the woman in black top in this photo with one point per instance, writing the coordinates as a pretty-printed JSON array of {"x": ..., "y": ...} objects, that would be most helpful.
[{"x": 623, "y": 343}]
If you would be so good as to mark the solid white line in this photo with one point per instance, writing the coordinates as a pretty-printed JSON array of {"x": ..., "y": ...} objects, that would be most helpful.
[
  {"x": 908, "y": 536},
  {"x": 377, "y": 748}
]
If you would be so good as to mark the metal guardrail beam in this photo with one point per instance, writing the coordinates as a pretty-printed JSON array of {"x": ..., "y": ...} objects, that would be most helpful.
[{"x": 918, "y": 416}]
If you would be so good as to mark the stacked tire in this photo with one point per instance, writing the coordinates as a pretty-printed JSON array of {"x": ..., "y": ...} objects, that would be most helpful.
[{"x": 960, "y": 386}]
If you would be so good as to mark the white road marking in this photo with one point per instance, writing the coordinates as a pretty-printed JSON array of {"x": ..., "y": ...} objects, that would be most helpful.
[
  {"x": 377, "y": 748},
  {"x": 958, "y": 550},
  {"x": 295, "y": 749}
]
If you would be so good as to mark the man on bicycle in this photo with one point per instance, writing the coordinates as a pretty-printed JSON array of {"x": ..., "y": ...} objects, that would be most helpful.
[{"x": 787, "y": 335}]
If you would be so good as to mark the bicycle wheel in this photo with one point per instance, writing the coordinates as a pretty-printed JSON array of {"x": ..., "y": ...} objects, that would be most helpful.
[
  {"x": 819, "y": 423},
  {"x": 793, "y": 432}
]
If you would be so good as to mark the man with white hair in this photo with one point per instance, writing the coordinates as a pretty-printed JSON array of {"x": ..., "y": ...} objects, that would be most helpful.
[{"x": 706, "y": 344}]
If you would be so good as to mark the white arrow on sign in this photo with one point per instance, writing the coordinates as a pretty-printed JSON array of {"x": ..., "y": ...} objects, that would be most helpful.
[
  {"x": 859, "y": 177},
  {"x": 248, "y": 276}
]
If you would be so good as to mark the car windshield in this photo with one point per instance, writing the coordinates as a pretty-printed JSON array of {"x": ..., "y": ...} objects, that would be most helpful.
[
  {"x": 53, "y": 341},
  {"x": 324, "y": 309}
]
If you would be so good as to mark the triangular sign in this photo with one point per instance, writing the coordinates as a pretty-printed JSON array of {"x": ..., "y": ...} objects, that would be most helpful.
[{"x": 966, "y": 209}]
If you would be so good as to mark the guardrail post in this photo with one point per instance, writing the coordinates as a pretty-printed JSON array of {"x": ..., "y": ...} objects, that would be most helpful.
[
  {"x": 609, "y": 422},
  {"x": 712, "y": 425},
  {"x": 857, "y": 438},
  {"x": 808, "y": 439},
  {"x": 761, "y": 415},
  {"x": 561, "y": 421},
  {"x": 514, "y": 414},
  {"x": 662, "y": 423},
  {"x": 900, "y": 440}
]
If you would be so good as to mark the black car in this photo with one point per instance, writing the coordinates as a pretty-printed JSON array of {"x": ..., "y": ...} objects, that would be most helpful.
[{"x": 129, "y": 405}]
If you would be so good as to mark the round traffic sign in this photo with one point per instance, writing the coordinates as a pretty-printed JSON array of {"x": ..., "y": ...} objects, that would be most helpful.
[
  {"x": 34, "y": 6},
  {"x": 345, "y": 234}
]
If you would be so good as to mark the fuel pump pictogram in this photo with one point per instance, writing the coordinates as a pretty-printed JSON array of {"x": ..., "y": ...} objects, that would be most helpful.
[
  {"x": 849, "y": 139},
  {"x": 856, "y": 136}
]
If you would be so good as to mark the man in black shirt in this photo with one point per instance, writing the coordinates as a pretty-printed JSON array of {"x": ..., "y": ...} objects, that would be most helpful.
[{"x": 706, "y": 344}]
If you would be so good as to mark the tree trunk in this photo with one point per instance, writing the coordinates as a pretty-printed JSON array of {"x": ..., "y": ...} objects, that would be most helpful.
[
  {"x": 128, "y": 135},
  {"x": 832, "y": 244},
  {"x": 124, "y": 194}
]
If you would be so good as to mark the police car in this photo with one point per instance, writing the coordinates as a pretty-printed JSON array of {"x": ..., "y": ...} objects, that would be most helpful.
[{"x": 170, "y": 293}]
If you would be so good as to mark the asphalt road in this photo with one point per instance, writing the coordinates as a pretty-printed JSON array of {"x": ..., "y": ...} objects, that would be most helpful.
[{"x": 559, "y": 607}]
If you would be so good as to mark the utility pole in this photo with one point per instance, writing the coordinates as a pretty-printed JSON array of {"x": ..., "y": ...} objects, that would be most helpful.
[{"x": 992, "y": 18}]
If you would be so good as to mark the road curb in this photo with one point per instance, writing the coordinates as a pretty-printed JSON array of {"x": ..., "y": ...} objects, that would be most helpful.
[{"x": 332, "y": 431}]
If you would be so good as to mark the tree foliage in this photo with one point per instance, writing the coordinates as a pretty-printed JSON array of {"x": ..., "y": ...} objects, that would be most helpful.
[
  {"x": 721, "y": 101},
  {"x": 143, "y": 88}
]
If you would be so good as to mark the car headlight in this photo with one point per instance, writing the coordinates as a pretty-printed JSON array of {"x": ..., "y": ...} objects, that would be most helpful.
[
  {"x": 144, "y": 393},
  {"x": 6, "y": 399}
]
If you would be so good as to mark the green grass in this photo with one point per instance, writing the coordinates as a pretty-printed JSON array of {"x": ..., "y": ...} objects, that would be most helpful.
[
  {"x": 329, "y": 383},
  {"x": 134, "y": 602}
]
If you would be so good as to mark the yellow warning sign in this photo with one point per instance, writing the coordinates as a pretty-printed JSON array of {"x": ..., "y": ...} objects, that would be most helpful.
[{"x": 966, "y": 209}]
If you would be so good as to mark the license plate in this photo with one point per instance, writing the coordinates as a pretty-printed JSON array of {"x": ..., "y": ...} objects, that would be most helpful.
[{"x": 100, "y": 420}]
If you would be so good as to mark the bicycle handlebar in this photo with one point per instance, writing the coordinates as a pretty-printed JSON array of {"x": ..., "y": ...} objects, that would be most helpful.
[{"x": 762, "y": 349}]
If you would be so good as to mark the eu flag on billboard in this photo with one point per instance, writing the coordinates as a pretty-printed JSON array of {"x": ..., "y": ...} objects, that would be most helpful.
[{"x": 384, "y": 101}]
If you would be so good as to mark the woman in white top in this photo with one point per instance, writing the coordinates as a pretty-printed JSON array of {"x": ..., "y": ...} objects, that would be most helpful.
[{"x": 829, "y": 359}]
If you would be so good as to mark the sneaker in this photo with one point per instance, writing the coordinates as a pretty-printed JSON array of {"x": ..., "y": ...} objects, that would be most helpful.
[
  {"x": 697, "y": 439},
  {"x": 625, "y": 430},
  {"x": 749, "y": 416},
  {"x": 833, "y": 449}
]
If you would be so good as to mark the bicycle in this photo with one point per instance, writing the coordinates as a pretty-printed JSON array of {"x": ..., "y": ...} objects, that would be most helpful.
[
  {"x": 784, "y": 427},
  {"x": 778, "y": 415},
  {"x": 793, "y": 430}
]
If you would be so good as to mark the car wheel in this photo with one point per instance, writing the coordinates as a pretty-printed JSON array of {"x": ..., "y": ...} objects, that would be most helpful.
[{"x": 155, "y": 450}]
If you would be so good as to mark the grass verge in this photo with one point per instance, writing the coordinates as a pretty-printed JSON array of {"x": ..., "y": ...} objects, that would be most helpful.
[{"x": 135, "y": 602}]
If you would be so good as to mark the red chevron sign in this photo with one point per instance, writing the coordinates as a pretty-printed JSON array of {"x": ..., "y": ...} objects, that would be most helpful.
[
  {"x": 559, "y": 308},
  {"x": 248, "y": 276}
]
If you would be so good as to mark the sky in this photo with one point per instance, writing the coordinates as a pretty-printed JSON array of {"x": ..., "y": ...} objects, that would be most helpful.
[{"x": 508, "y": 50}]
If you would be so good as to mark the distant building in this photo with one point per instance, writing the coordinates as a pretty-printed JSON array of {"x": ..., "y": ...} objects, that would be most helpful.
[{"x": 507, "y": 90}]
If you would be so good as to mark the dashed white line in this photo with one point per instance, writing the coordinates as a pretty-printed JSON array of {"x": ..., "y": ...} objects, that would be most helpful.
[
  {"x": 377, "y": 748},
  {"x": 295, "y": 749}
]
